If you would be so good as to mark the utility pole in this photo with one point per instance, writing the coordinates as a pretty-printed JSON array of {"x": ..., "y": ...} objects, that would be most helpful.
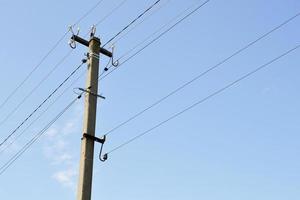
[{"x": 89, "y": 121}]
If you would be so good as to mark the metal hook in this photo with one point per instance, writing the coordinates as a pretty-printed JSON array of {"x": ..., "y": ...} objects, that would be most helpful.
[
  {"x": 104, "y": 157},
  {"x": 72, "y": 42},
  {"x": 99, "y": 140},
  {"x": 113, "y": 62}
]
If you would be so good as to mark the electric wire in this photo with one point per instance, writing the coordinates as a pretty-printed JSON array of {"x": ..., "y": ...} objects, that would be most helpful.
[
  {"x": 111, "y": 12},
  {"x": 41, "y": 114},
  {"x": 167, "y": 24},
  {"x": 45, "y": 110},
  {"x": 157, "y": 37},
  {"x": 142, "y": 21},
  {"x": 204, "y": 99},
  {"x": 37, "y": 86},
  {"x": 88, "y": 13},
  {"x": 4, "y": 167},
  {"x": 49, "y": 73},
  {"x": 13, "y": 92},
  {"x": 40, "y": 105},
  {"x": 203, "y": 73},
  {"x": 132, "y": 22}
]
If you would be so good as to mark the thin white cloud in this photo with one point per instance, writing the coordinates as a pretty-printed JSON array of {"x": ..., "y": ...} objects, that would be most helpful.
[
  {"x": 51, "y": 133},
  {"x": 59, "y": 150},
  {"x": 65, "y": 158},
  {"x": 66, "y": 177}
]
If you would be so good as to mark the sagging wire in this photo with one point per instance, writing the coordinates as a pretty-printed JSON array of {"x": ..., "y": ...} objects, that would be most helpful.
[
  {"x": 6, "y": 165},
  {"x": 158, "y": 36},
  {"x": 41, "y": 114},
  {"x": 44, "y": 101},
  {"x": 132, "y": 22},
  {"x": 201, "y": 101}
]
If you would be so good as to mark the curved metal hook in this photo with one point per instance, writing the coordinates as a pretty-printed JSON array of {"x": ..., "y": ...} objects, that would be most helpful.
[
  {"x": 72, "y": 42},
  {"x": 113, "y": 62},
  {"x": 104, "y": 157}
]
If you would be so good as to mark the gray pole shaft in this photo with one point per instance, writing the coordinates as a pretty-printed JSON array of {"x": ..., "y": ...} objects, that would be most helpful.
[{"x": 84, "y": 189}]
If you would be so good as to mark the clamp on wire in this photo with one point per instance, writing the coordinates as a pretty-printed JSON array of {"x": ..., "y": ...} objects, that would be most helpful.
[{"x": 72, "y": 42}]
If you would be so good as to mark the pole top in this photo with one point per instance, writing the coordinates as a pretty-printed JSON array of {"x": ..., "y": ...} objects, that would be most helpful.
[
  {"x": 96, "y": 39},
  {"x": 86, "y": 43}
]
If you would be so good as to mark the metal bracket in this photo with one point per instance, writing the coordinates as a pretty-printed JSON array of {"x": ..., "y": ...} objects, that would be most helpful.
[
  {"x": 91, "y": 93},
  {"x": 86, "y": 43},
  {"x": 99, "y": 140}
]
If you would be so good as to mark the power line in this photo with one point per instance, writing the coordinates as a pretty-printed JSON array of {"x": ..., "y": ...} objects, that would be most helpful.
[
  {"x": 52, "y": 70},
  {"x": 204, "y": 99},
  {"x": 38, "y": 107},
  {"x": 13, "y": 92},
  {"x": 132, "y": 22},
  {"x": 142, "y": 21},
  {"x": 111, "y": 12},
  {"x": 157, "y": 37},
  {"x": 164, "y": 26},
  {"x": 203, "y": 73},
  {"x": 35, "y": 88},
  {"x": 88, "y": 13},
  {"x": 33, "y": 70},
  {"x": 4, "y": 167},
  {"x": 41, "y": 114}
]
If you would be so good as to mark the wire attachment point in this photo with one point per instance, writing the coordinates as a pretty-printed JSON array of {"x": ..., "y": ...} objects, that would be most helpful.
[
  {"x": 72, "y": 42},
  {"x": 104, "y": 158},
  {"x": 114, "y": 63},
  {"x": 93, "y": 31},
  {"x": 99, "y": 140},
  {"x": 91, "y": 93}
]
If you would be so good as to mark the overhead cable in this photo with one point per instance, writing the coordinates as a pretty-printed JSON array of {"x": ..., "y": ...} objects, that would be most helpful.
[
  {"x": 132, "y": 22},
  {"x": 13, "y": 92},
  {"x": 111, "y": 12},
  {"x": 157, "y": 37},
  {"x": 4, "y": 167},
  {"x": 44, "y": 111},
  {"x": 142, "y": 21},
  {"x": 40, "y": 105},
  {"x": 41, "y": 114},
  {"x": 204, "y": 99},
  {"x": 37, "y": 86},
  {"x": 204, "y": 73}
]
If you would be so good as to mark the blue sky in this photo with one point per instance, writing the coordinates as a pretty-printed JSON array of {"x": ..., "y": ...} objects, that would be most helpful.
[{"x": 241, "y": 144}]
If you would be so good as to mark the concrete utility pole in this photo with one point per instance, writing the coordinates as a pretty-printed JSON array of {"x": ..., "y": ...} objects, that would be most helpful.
[{"x": 89, "y": 121}]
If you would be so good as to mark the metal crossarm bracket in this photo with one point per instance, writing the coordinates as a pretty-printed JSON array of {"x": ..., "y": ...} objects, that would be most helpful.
[
  {"x": 99, "y": 140},
  {"x": 97, "y": 95},
  {"x": 86, "y": 43}
]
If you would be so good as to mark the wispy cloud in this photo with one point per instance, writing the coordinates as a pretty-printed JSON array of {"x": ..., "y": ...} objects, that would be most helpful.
[
  {"x": 66, "y": 177},
  {"x": 58, "y": 150}
]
